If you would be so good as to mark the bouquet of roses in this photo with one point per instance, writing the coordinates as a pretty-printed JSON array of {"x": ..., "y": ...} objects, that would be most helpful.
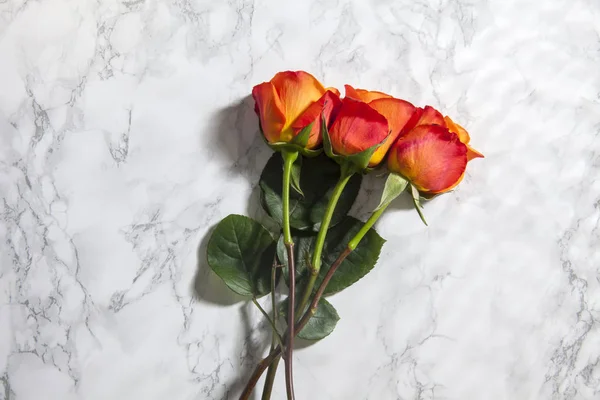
[{"x": 324, "y": 144}]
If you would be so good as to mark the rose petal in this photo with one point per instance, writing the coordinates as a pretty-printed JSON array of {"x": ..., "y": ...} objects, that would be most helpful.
[
  {"x": 297, "y": 91},
  {"x": 431, "y": 157},
  {"x": 463, "y": 135},
  {"x": 431, "y": 116},
  {"x": 398, "y": 113},
  {"x": 356, "y": 128},
  {"x": 324, "y": 106},
  {"x": 270, "y": 111},
  {"x": 364, "y": 95},
  {"x": 472, "y": 153},
  {"x": 334, "y": 91}
]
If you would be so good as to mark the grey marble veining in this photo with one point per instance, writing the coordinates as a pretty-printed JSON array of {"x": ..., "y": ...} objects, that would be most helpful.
[{"x": 126, "y": 133}]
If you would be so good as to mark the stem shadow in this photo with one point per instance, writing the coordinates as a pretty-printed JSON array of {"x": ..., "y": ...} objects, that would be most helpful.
[{"x": 250, "y": 354}]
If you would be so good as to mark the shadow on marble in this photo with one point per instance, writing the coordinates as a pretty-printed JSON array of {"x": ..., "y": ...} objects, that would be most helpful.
[
  {"x": 238, "y": 139},
  {"x": 248, "y": 154},
  {"x": 252, "y": 350}
]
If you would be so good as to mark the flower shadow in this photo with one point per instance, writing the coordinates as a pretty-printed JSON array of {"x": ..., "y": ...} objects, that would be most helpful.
[{"x": 238, "y": 139}]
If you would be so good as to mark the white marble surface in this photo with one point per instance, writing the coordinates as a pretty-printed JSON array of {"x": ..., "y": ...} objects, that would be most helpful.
[{"x": 126, "y": 134}]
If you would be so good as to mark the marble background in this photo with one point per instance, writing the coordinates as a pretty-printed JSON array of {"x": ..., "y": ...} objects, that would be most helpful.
[{"x": 126, "y": 133}]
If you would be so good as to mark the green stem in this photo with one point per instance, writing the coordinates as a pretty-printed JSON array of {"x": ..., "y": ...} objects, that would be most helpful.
[
  {"x": 270, "y": 379},
  {"x": 312, "y": 309},
  {"x": 288, "y": 160},
  {"x": 273, "y": 301},
  {"x": 289, "y": 345},
  {"x": 365, "y": 228},
  {"x": 315, "y": 266}
]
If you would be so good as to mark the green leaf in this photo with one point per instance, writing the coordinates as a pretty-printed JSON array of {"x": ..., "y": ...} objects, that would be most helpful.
[
  {"x": 321, "y": 324},
  {"x": 358, "y": 263},
  {"x": 241, "y": 251},
  {"x": 415, "y": 195},
  {"x": 319, "y": 176},
  {"x": 394, "y": 185},
  {"x": 296, "y": 169}
]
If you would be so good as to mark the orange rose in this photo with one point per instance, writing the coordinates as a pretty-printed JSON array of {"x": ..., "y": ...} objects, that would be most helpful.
[
  {"x": 290, "y": 102},
  {"x": 398, "y": 113},
  {"x": 433, "y": 155},
  {"x": 430, "y": 116},
  {"x": 356, "y": 128}
]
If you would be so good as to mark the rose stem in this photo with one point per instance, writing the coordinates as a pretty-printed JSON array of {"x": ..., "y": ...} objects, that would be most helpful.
[
  {"x": 315, "y": 266},
  {"x": 268, "y": 388},
  {"x": 273, "y": 356},
  {"x": 288, "y": 161},
  {"x": 270, "y": 379}
]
